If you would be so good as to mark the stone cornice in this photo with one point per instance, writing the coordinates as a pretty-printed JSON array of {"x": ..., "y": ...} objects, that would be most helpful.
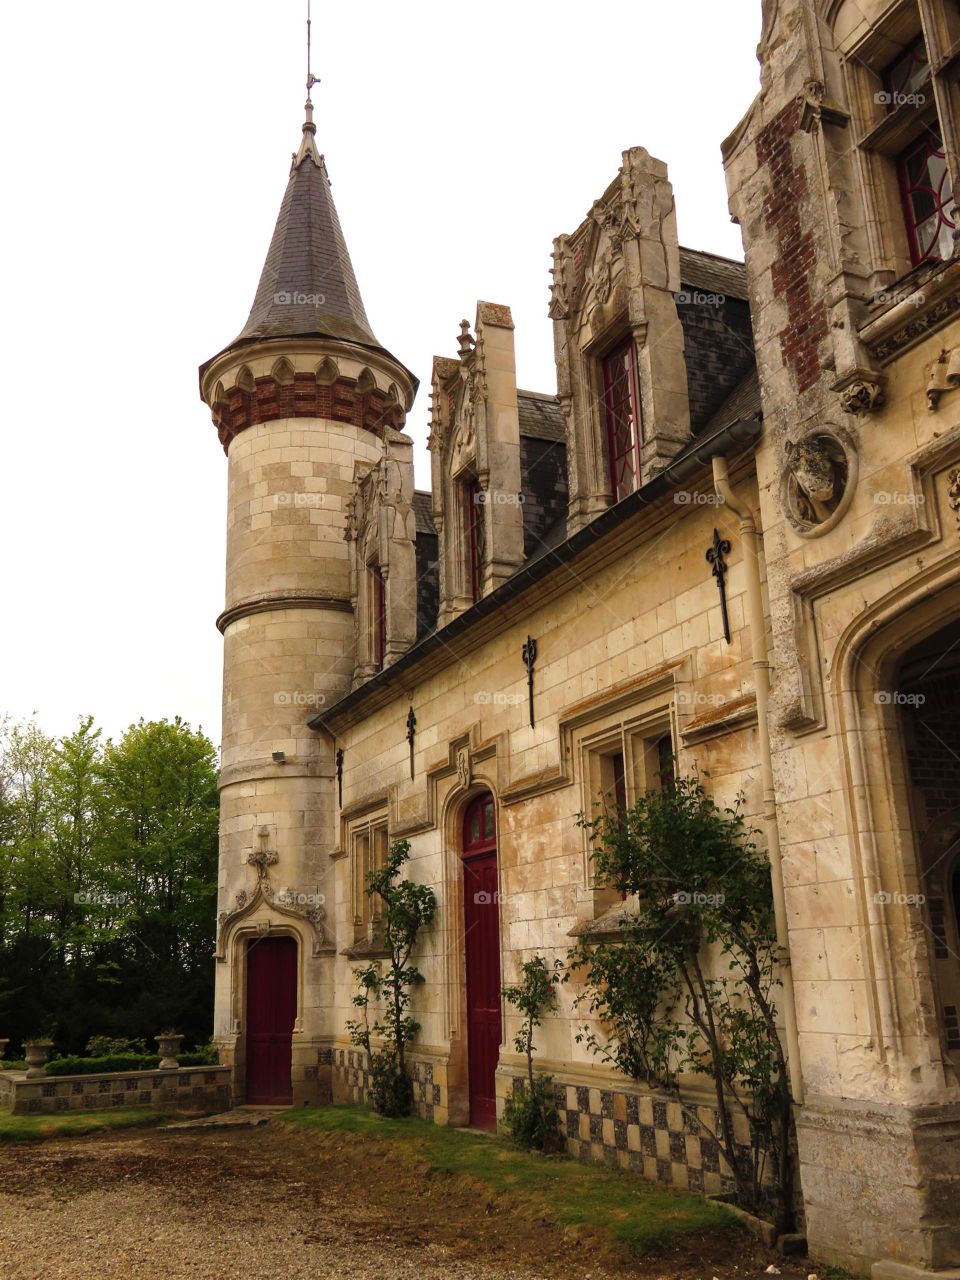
[
  {"x": 272, "y": 601},
  {"x": 306, "y": 377},
  {"x": 931, "y": 302}
]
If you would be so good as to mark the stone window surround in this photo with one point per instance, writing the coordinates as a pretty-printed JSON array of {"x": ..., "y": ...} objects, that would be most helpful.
[
  {"x": 633, "y": 732},
  {"x": 368, "y": 843},
  {"x": 879, "y": 137}
]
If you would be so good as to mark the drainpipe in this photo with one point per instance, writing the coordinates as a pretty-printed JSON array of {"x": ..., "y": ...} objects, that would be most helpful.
[{"x": 750, "y": 541}]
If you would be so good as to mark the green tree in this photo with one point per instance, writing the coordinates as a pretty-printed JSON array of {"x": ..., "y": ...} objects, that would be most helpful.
[{"x": 107, "y": 881}]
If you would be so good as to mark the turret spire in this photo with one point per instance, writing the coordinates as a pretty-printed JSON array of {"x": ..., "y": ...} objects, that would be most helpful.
[
  {"x": 308, "y": 146},
  {"x": 307, "y": 286}
]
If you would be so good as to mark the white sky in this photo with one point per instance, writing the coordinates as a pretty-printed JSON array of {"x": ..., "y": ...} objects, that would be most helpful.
[{"x": 146, "y": 152}]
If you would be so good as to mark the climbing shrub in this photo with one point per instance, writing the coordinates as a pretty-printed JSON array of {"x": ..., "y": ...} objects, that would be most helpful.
[
  {"x": 661, "y": 1011},
  {"x": 531, "y": 1112},
  {"x": 407, "y": 908}
]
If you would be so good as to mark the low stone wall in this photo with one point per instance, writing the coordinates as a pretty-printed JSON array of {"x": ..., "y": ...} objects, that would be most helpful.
[
  {"x": 185, "y": 1089},
  {"x": 627, "y": 1128},
  {"x": 654, "y": 1136},
  {"x": 351, "y": 1083}
]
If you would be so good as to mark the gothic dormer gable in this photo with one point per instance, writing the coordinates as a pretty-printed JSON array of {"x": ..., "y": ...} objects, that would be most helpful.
[
  {"x": 621, "y": 375},
  {"x": 475, "y": 451},
  {"x": 381, "y": 533}
]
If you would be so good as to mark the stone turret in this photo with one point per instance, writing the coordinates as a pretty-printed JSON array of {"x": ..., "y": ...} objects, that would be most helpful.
[{"x": 303, "y": 398}]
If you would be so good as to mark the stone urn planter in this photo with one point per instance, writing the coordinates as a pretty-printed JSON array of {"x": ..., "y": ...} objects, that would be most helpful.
[
  {"x": 169, "y": 1042},
  {"x": 3, "y": 1048},
  {"x": 36, "y": 1053}
]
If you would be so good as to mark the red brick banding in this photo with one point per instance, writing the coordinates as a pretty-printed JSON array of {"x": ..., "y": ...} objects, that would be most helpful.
[
  {"x": 806, "y": 325},
  {"x": 304, "y": 397}
]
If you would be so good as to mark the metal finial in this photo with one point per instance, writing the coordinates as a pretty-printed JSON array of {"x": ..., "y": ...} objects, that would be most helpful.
[{"x": 310, "y": 79}]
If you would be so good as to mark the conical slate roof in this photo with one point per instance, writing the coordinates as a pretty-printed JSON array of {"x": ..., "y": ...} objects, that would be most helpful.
[{"x": 307, "y": 287}]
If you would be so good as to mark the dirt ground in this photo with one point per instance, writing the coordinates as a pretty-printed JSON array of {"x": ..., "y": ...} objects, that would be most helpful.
[{"x": 275, "y": 1202}]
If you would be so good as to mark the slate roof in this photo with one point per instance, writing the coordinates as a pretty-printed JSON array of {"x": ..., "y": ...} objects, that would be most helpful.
[
  {"x": 540, "y": 416},
  {"x": 307, "y": 286},
  {"x": 714, "y": 274},
  {"x": 308, "y": 259},
  {"x": 423, "y": 511},
  {"x": 742, "y": 404}
]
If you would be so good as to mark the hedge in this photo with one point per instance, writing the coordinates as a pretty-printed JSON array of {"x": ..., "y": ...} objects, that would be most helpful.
[{"x": 76, "y": 1066}]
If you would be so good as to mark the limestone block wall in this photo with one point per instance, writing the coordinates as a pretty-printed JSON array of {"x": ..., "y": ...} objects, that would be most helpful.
[
  {"x": 289, "y": 650},
  {"x": 845, "y": 374},
  {"x": 636, "y": 641}
]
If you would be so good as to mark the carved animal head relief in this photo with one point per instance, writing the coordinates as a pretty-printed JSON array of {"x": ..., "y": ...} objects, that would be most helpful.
[{"x": 816, "y": 482}]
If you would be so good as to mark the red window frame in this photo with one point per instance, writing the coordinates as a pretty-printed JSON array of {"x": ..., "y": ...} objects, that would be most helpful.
[
  {"x": 925, "y": 194},
  {"x": 473, "y": 517},
  {"x": 379, "y": 616},
  {"x": 622, "y": 418}
]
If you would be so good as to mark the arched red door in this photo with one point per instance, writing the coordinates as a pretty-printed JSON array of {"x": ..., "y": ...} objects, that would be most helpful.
[
  {"x": 481, "y": 912},
  {"x": 271, "y": 1013}
]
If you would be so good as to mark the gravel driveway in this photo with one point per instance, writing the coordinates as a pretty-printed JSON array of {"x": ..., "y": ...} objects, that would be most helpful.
[{"x": 278, "y": 1202}]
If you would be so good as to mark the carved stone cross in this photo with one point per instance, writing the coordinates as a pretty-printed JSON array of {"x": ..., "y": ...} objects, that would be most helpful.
[{"x": 262, "y": 858}]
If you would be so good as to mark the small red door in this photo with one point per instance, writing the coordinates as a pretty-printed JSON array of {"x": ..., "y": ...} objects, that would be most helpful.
[
  {"x": 271, "y": 1012},
  {"x": 481, "y": 909}
]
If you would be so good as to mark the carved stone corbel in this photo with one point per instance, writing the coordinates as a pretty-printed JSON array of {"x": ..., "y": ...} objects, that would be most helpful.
[
  {"x": 817, "y": 109},
  {"x": 862, "y": 393}
]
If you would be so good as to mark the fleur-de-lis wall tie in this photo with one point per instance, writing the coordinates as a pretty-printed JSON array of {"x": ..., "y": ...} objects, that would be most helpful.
[
  {"x": 530, "y": 658},
  {"x": 721, "y": 548},
  {"x": 411, "y": 735},
  {"x": 339, "y": 760}
]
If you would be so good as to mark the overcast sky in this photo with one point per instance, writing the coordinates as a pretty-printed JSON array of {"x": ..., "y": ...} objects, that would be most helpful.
[{"x": 146, "y": 153}]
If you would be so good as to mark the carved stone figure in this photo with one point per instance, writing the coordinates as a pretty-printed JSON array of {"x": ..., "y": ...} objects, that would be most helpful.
[{"x": 817, "y": 474}]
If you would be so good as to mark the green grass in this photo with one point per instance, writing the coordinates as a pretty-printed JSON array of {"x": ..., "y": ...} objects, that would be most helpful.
[
  {"x": 74, "y": 1124},
  {"x": 638, "y": 1214}
]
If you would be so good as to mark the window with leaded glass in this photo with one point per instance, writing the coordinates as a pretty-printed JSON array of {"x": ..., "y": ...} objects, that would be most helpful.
[
  {"x": 473, "y": 518},
  {"x": 621, "y": 410},
  {"x": 379, "y": 616},
  {"x": 927, "y": 195}
]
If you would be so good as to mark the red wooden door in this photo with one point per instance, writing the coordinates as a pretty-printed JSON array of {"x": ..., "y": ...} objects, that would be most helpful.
[
  {"x": 271, "y": 1012},
  {"x": 481, "y": 907}
]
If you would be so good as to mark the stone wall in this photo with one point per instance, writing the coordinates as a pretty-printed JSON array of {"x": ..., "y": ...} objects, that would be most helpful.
[{"x": 185, "y": 1089}]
